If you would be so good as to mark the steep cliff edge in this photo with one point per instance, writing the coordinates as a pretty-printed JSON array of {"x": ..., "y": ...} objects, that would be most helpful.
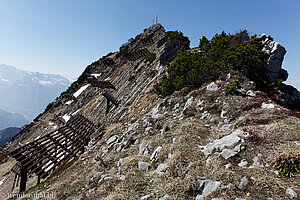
[{"x": 219, "y": 140}]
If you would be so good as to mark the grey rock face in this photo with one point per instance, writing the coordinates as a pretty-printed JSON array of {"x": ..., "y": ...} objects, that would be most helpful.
[
  {"x": 276, "y": 52},
  {"x": 207, "y": 187},
  {"x": 171, "y": 52},
  {"x": 256, "y": 163},
  {"x": 230, "y": 186},
  {"x": 290, "y": 97}
]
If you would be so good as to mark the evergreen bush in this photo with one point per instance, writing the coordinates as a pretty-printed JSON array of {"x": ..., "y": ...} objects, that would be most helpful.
[{"x": 220, "y": 54}]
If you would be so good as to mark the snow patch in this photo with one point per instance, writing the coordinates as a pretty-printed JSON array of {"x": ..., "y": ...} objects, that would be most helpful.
[
  {"x": 66, "y": 117},
  {"x": 76, "y": 112},
  {"x": 2, "y": 79},
  {"x": 78, "y": 92},
  {"x": 69, "y": 102},
  {"x": 45, "y": 82},
  {"x": 37, "y": 137},
  {"x": 2, "y": 181},
  {"x": 96, "y": 75},
  {"x": 48, "y": 168}
]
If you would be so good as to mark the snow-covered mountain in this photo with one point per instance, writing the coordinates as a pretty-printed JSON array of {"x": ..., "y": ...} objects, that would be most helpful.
[
  {"x": 28, "y": 93},
  {"x": 11, "y": 120}
]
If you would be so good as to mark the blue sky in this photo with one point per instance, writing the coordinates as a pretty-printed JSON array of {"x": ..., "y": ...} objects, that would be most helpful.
[{"x": 64, "y": 36}]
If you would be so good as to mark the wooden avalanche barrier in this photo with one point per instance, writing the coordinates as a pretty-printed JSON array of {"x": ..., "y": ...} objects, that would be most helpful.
[{"x": 47, "y": 154}]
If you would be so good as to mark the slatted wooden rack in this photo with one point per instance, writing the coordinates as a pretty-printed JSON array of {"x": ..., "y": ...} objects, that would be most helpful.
[
  {"x": 3, "y": 155},
  {"x": 47, "y": 154},
  {"x": 102, "y": 85}
]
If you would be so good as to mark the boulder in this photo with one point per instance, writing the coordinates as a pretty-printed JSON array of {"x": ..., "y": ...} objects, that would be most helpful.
[
  {"x": 291, "y": 193},
  {"x": 143, "y": 166},
  {"x": 161, "y": 169},
  {"x": 227, "y": 153},
  {"x": 219, "y": 144},
  {"x": 207, "y": 187},
  {"x": 290, "y": 97}
]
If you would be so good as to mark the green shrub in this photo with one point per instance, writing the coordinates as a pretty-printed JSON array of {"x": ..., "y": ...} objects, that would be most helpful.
[
  {"x": 220, "y": 54},
  {"x": 233, "y": 88},
  {"x": 150, "y": 57},
  {"x": 123, "y": 51},
  {"x": 288, "y": 165},
  {"x": 188, "y": 70},
  {"x": 174, "y": 36}
]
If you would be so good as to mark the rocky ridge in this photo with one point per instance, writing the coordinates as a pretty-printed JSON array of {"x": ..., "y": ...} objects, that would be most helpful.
[{"x": 199, "y": 144}]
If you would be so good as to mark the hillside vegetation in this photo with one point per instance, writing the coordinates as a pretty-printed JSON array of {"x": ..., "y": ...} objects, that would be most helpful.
[
  {"x": 218, "y": 132},
  {"x": 224, "y": 52}
]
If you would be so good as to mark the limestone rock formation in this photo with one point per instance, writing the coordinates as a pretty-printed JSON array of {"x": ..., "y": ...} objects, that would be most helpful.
[
  {"x": 275, "y": 73},
  {"x": 276, "y": 55}
]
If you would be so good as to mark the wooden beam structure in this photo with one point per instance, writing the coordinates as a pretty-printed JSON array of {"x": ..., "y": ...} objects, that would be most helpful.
[
  {"x": 100, "y": 84},
  {"x": 103, "y": 85},
  {"x": 3, "y": 155},
  {"x": 110, "y": 98},
  {"x": 139, "y": 53},
  {"x": 47, "y": 154},
  {"x": 70, "y": 97},
  {"x": 60, "y": 119}
]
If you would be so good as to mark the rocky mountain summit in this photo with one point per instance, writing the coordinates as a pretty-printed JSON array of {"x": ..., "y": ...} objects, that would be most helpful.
[{"x": 221, "y": 139}]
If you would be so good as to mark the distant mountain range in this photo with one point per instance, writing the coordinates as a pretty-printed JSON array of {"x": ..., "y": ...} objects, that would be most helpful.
[
  {"x": 7, "y": 134},
  {"x": 11, "y": 120},
  {"x": 28, "y": 93}
]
